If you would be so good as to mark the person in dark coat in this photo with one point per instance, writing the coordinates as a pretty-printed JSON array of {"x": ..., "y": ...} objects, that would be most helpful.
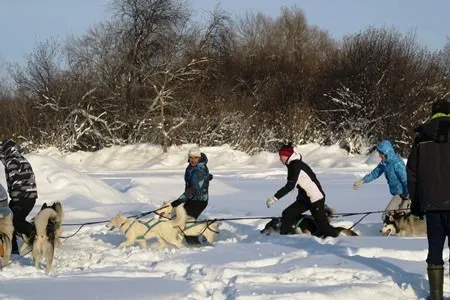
[
  {"x": 310, "y": 194},
  {"x": 196, "y": 178},
  {"x": 21, "y": 186},
  {"x": 428, "y": 171}
]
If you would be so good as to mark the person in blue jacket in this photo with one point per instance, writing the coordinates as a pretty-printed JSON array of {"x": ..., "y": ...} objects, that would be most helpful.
[
  {"x": 197, "y": 178},
  {"x": 394, "y": 169}
]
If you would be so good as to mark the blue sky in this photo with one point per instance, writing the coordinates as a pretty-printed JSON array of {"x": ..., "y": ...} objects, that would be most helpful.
[{"x": 23, "y": 23}]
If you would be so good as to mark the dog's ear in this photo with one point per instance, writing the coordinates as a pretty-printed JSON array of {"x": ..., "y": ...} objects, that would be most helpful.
[{"x": 58, "y": 207}]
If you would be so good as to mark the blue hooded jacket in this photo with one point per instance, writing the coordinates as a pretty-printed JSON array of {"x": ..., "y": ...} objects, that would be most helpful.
[
  {"x": 197, "y": 180},
  {"x": 394, "y": 170}
]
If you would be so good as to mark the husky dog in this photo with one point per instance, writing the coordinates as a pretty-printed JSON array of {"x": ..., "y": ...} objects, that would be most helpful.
[
  {"x": 208, "y": 228},
  {"x": 166, "y": 231},
  {"x": 48, "y": 230},
  {"x": 404, "y": 225},
  {"x": 305, "y": 224},
  {"x": 6, "y": 233}
]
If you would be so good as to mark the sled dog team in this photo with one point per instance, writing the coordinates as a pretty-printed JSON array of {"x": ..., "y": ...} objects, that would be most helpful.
[{"x": 177, "y": 224}]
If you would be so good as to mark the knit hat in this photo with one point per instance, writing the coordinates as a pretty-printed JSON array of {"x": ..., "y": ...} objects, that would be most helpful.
[
  {"x": 195, "y": 152},
  {"x": 286, "y": 150}
]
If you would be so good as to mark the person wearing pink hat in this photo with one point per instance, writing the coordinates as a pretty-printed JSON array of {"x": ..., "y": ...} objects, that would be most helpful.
[{"x": 310, "y": 194}]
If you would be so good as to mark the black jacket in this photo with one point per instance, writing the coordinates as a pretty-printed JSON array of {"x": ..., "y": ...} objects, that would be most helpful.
[
  {"x": 300, "y": 175},
  {"x": 428, "y": 167}
]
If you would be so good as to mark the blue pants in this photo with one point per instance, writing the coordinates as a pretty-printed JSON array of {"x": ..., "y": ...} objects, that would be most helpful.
[{"x": 438, "y": 228}]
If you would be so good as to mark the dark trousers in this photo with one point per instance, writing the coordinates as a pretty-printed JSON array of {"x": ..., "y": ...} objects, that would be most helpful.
[
  {"x": 438, "y": 228},
  {"x": 21, "y": 209},
  {"x": 195, "y": 207},
  {"x": 317, "y": 209}
]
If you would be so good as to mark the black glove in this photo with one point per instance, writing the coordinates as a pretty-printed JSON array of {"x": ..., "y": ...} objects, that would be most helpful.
[
  {"x": 210, "y": 177},
  {"x": 416, "y": 210},
  {"x": 176, "y": 203}
]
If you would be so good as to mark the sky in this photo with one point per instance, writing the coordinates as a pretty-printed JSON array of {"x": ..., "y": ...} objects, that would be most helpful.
[
  {"x": 242, "y": 264},
  {"x": 24, "y": 23}
]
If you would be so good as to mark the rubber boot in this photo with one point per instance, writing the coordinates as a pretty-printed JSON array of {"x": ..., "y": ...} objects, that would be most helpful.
[
  {"x": 436, "y": 281},
  {"x": 318, "y": 212}
]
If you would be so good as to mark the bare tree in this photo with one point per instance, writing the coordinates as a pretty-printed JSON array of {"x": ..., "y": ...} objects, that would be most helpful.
[{"x": 446, "y": 56}]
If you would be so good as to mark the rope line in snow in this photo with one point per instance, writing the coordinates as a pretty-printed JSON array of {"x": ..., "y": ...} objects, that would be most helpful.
[{"x": 212, "y": 220}]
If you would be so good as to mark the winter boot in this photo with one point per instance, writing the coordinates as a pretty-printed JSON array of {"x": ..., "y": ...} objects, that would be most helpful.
[
  {"x": 320, "y": 217},
  {"x": 436, "y": 281}
]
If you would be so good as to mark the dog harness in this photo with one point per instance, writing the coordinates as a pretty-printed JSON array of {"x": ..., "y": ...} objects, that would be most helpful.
[
  {"x": 147, "y": 224},
  {"x": 198, "y": 223}
]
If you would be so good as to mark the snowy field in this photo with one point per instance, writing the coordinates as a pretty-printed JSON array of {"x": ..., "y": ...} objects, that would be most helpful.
[{"x": 243, "y": 264}]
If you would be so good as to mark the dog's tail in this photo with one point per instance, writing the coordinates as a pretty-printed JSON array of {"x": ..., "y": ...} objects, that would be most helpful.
[
  {"x": 180, "y": 217},
  {"x": 44, "y": 219}
]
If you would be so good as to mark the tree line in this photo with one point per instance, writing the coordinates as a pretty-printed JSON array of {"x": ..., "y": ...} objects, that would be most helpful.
[{"x": 150, "y": 74}]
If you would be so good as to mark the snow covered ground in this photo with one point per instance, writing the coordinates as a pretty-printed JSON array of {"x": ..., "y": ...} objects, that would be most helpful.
[{"x": 243, "y": 264}]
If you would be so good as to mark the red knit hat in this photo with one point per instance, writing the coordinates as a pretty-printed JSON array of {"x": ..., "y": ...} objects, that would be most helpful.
[{"x": 286, "y": 150}]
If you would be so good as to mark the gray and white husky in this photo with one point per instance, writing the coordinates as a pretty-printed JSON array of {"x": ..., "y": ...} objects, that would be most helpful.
[
  {"x": 48, "y": 231},
  {"x": 404, "y": 225},
  {"x": 6, "y": 233}
]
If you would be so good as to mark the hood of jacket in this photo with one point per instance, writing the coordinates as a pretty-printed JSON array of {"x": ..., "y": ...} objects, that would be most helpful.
[{"x": 387, "y": 149}]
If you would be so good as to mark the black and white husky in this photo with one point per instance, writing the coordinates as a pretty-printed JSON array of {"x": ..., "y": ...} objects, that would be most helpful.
[
  {"x": 305, "y": 224},
  {"x": 404, "y": 225}
]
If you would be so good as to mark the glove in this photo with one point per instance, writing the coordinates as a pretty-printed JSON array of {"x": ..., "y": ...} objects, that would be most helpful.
[
  {"x": 176, "y": 203},
  {"x": 271, "y": 201},
  {"x": 416, "y": 210},
  {"x": 358, "y": 184}
]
